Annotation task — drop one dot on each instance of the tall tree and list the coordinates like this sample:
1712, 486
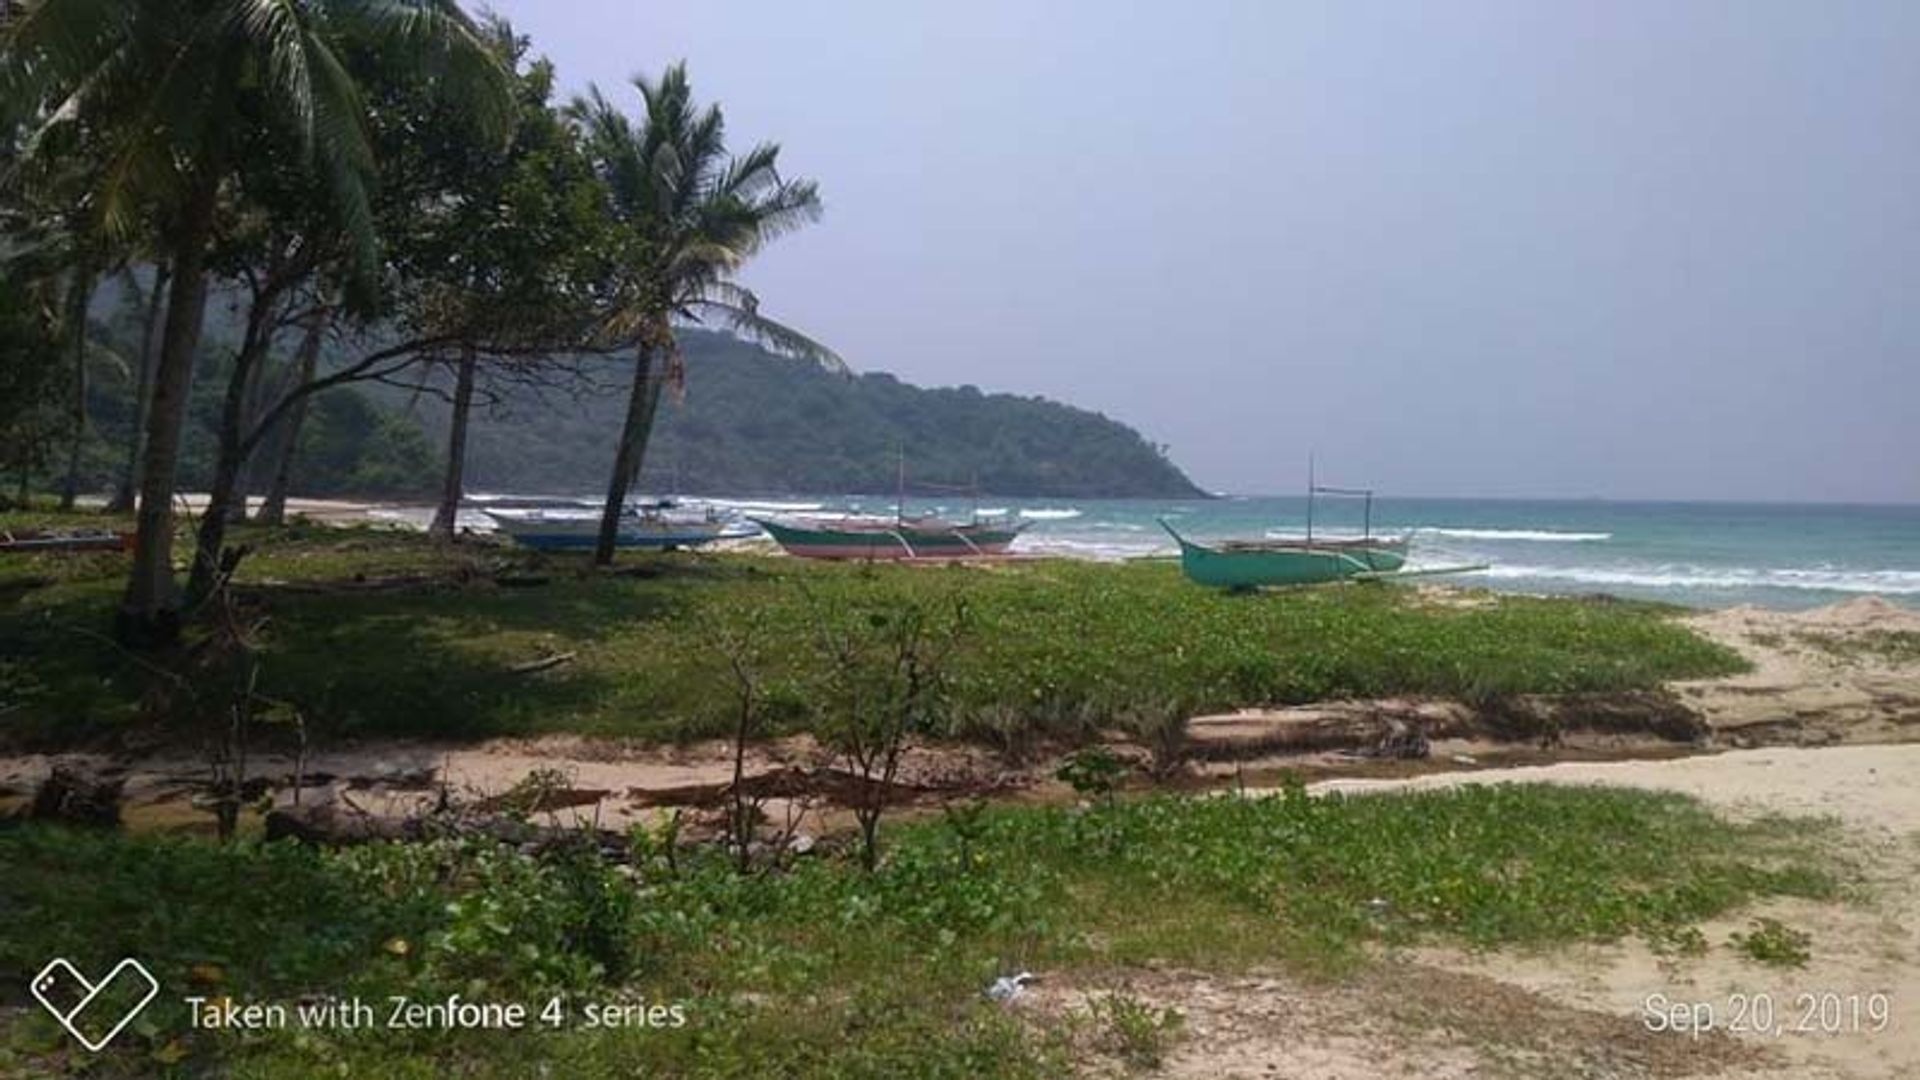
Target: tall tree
123, 492
73, 341
170, 89
507, 253
693, 215
285, 441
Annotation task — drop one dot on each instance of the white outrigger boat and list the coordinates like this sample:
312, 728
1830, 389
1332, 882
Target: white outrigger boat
659, 525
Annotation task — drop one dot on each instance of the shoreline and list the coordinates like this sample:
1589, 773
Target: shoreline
1076, 533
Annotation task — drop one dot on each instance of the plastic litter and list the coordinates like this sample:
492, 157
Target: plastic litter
1007, 987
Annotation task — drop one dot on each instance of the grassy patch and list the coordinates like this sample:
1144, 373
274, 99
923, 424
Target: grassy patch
1896, 647
1775, 944
1057, 649
826, 970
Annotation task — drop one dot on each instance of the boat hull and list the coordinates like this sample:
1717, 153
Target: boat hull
1256, 565
34, 540
543, 533
906, 541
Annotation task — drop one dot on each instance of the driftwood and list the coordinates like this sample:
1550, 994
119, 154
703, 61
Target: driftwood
340, 822
1404, 729
77, 798
787, 782
543, 663
330, 824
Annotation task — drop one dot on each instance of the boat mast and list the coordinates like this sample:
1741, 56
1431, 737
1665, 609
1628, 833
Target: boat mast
900, 488
1310, 499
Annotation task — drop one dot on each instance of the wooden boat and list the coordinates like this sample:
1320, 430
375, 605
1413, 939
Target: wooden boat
65, 540
651, 525
1248, 564
890, 538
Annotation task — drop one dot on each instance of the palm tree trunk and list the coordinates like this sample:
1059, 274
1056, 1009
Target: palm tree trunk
79, 294
231, 457
149, 611
447, 516
627, 459
286, 446
252, 405
122, 500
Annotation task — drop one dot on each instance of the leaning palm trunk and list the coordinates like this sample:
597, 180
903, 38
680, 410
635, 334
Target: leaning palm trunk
225, 496
122, 500
79, 294
149, 611
641, 405
286, 445
248, 479
446, 517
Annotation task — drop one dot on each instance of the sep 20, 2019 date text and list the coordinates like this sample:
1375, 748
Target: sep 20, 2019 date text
1806, 1013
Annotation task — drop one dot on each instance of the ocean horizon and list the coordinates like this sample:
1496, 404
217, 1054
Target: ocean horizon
1706, 554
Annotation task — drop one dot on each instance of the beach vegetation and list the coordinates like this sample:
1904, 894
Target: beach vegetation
1133, 1030
1055, 652
826, 968
1774, 943
1892, 647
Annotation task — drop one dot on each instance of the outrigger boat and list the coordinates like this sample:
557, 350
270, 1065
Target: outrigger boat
897, 538
1250, 564
65, 540
649, 525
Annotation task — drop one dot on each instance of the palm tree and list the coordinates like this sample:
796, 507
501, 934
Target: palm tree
694, 215
171, 91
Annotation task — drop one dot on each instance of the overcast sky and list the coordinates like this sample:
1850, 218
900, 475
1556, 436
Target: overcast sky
1638, 250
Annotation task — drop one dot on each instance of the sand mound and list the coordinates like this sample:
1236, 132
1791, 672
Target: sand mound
1816, 676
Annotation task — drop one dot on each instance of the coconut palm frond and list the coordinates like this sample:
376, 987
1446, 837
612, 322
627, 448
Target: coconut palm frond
450, 44
778, 336
751, 174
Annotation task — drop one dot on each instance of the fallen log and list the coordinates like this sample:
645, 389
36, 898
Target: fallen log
544, 663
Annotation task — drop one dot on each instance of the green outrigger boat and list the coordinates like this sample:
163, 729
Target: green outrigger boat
1251, 564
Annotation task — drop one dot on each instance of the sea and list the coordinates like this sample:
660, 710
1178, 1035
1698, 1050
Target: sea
1699, 554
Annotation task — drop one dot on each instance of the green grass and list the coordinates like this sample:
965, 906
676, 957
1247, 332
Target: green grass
825, 970
1895, 647
1772, 942
1056, 648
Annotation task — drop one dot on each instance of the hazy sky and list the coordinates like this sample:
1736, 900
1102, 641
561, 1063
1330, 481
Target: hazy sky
1658, 249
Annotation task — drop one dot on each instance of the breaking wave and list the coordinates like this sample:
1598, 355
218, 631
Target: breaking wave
1544, 536
1897, 582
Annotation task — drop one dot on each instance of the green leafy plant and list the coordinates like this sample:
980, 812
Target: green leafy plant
1135, 1031
1094, 772
1774, 943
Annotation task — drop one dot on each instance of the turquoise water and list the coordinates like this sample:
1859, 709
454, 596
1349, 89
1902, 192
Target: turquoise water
1699, 554
1786, 556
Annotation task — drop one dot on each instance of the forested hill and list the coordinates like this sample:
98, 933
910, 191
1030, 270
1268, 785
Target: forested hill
755, 423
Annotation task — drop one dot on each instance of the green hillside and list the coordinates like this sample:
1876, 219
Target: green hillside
751, 423
754, 423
